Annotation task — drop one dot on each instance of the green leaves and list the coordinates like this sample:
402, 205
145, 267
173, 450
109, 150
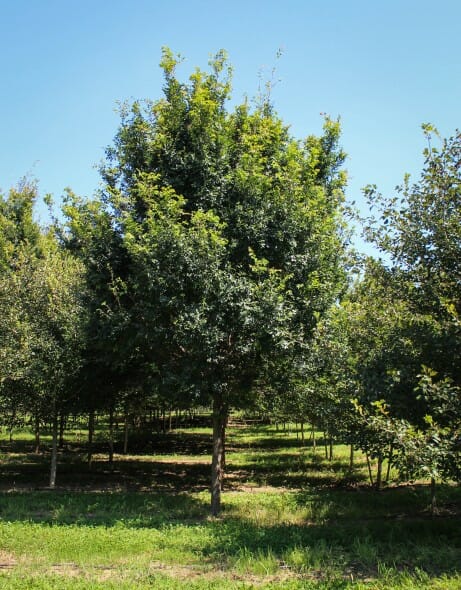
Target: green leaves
419, 231
230, 229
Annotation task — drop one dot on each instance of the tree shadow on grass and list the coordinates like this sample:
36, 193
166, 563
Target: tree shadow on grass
345, 532
170, 443
293, 471
140, 442
180, 473
363, 549
127, 474
359, 533
268, 444
136, 473
132, 509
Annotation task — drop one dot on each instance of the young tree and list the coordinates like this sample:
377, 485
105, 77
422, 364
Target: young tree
231, 235
41, 303
420, 232
20, 237
18, 229
44, 297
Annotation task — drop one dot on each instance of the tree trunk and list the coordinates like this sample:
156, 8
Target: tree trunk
157, 421
90, 437
37, 435
303, 439
111, 437
379, 473
54, 448
217, 465
351, 458
223, 437
125, 435
314, 441
369, 468
389, 463
13, 420
62, 426
433, 499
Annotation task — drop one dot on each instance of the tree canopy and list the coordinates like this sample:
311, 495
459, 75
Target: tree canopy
229, 233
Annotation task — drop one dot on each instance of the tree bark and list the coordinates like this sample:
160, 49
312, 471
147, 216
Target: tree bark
389, 463
379, 473
223, 436
351, 458
369, 468
217, 463
125, 436
62, 426
433, 497
90, 437
157, 421
111, 437
37, 435
54, 448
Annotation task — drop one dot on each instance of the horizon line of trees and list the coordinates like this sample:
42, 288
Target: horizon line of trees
214, 269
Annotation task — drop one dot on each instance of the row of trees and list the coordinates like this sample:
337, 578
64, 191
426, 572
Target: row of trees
212, 269
383, 371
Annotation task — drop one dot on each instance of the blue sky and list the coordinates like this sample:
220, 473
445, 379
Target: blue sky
383, 67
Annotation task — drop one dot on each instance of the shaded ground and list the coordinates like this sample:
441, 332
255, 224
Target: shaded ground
176, 462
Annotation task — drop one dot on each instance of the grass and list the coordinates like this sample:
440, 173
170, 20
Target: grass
291, 520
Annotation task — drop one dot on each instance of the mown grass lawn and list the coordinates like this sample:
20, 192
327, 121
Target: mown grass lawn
291, 520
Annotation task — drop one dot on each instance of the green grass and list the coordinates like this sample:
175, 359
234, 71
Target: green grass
291, 520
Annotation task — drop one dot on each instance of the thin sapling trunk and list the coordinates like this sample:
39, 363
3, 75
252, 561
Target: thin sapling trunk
369, 469
217, 462
37, 435
351, 458
389, 463
125, 434
111, 437
54, 447
379, 473
90, 437
433, 497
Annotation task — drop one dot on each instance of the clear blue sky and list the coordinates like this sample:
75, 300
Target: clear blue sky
383, 67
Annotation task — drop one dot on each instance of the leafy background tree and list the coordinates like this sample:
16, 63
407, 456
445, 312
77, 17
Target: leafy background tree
419, 231
41, 299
